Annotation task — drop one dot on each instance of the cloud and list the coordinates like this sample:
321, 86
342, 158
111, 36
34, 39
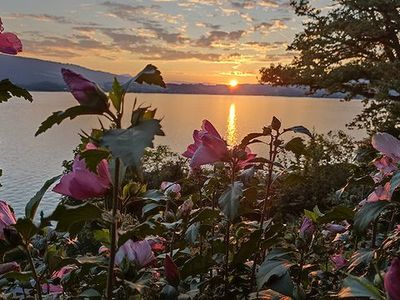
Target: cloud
218, 36
266, 27
49, 18
267, 45
208, 25
251, 4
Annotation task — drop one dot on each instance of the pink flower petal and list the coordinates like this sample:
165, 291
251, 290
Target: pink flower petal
207, 127
392, 280
10, 43
85, 91
387, 144
138, 252
339, 261
82, 184
380, 193
7, 217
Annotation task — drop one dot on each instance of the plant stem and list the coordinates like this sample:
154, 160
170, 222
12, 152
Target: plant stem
299, 277
227, 237
374, 231
114, 232
110, 275
35, 276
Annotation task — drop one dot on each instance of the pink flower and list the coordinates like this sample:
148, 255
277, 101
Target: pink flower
54, 289
380, 193
7, 217
386, 165
81, 183
387, 144
104, 251
9, 42
339, 261
62, 272
307, 229
186, 207
171, 188
392, 280
157, 244
171, 271
138, 252
208, 147
336, 228
85, 91
243, 163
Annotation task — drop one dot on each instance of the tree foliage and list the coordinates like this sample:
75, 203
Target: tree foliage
353, 49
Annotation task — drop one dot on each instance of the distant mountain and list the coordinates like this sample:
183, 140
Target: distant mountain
41, 75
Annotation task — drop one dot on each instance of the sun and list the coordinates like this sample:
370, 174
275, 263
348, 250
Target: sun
233, 83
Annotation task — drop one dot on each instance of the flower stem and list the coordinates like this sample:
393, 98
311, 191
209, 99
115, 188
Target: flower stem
35, 276
114, 229
273, 151
227, 237
110, 275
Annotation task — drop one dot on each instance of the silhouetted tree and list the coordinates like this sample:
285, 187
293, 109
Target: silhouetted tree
354, 48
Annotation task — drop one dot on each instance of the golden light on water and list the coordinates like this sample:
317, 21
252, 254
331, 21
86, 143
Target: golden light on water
231, 126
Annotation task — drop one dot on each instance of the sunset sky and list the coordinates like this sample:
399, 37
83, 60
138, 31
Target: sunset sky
207, 41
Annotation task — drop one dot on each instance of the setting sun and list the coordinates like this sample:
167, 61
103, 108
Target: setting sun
233, 83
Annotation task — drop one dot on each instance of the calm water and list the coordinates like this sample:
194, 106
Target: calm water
27, 162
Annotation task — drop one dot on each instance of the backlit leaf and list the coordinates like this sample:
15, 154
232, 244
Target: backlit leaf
59, 116
32, 205
229, 200
129, 144
9, 90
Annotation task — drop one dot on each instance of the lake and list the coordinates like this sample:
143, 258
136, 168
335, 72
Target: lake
27, 162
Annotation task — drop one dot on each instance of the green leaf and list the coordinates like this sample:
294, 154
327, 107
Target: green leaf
361, 257
169, 293
150, 75
129, 144
359, 287
394, 182
103, 236
67, 215
229, 200
26, 228
311, 215
150, 207
338, 213
59, 116
90, 293
9, 90
154, 195
299, 129
248, 138
197, 265
283, 285
271, 268
368, 213
93, 157
296, 145
275, 124
141, 231
32, 205
248, 248
117, 94
205, 214
20, 276
192, 233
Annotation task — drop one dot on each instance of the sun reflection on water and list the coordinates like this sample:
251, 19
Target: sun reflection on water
231, 133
